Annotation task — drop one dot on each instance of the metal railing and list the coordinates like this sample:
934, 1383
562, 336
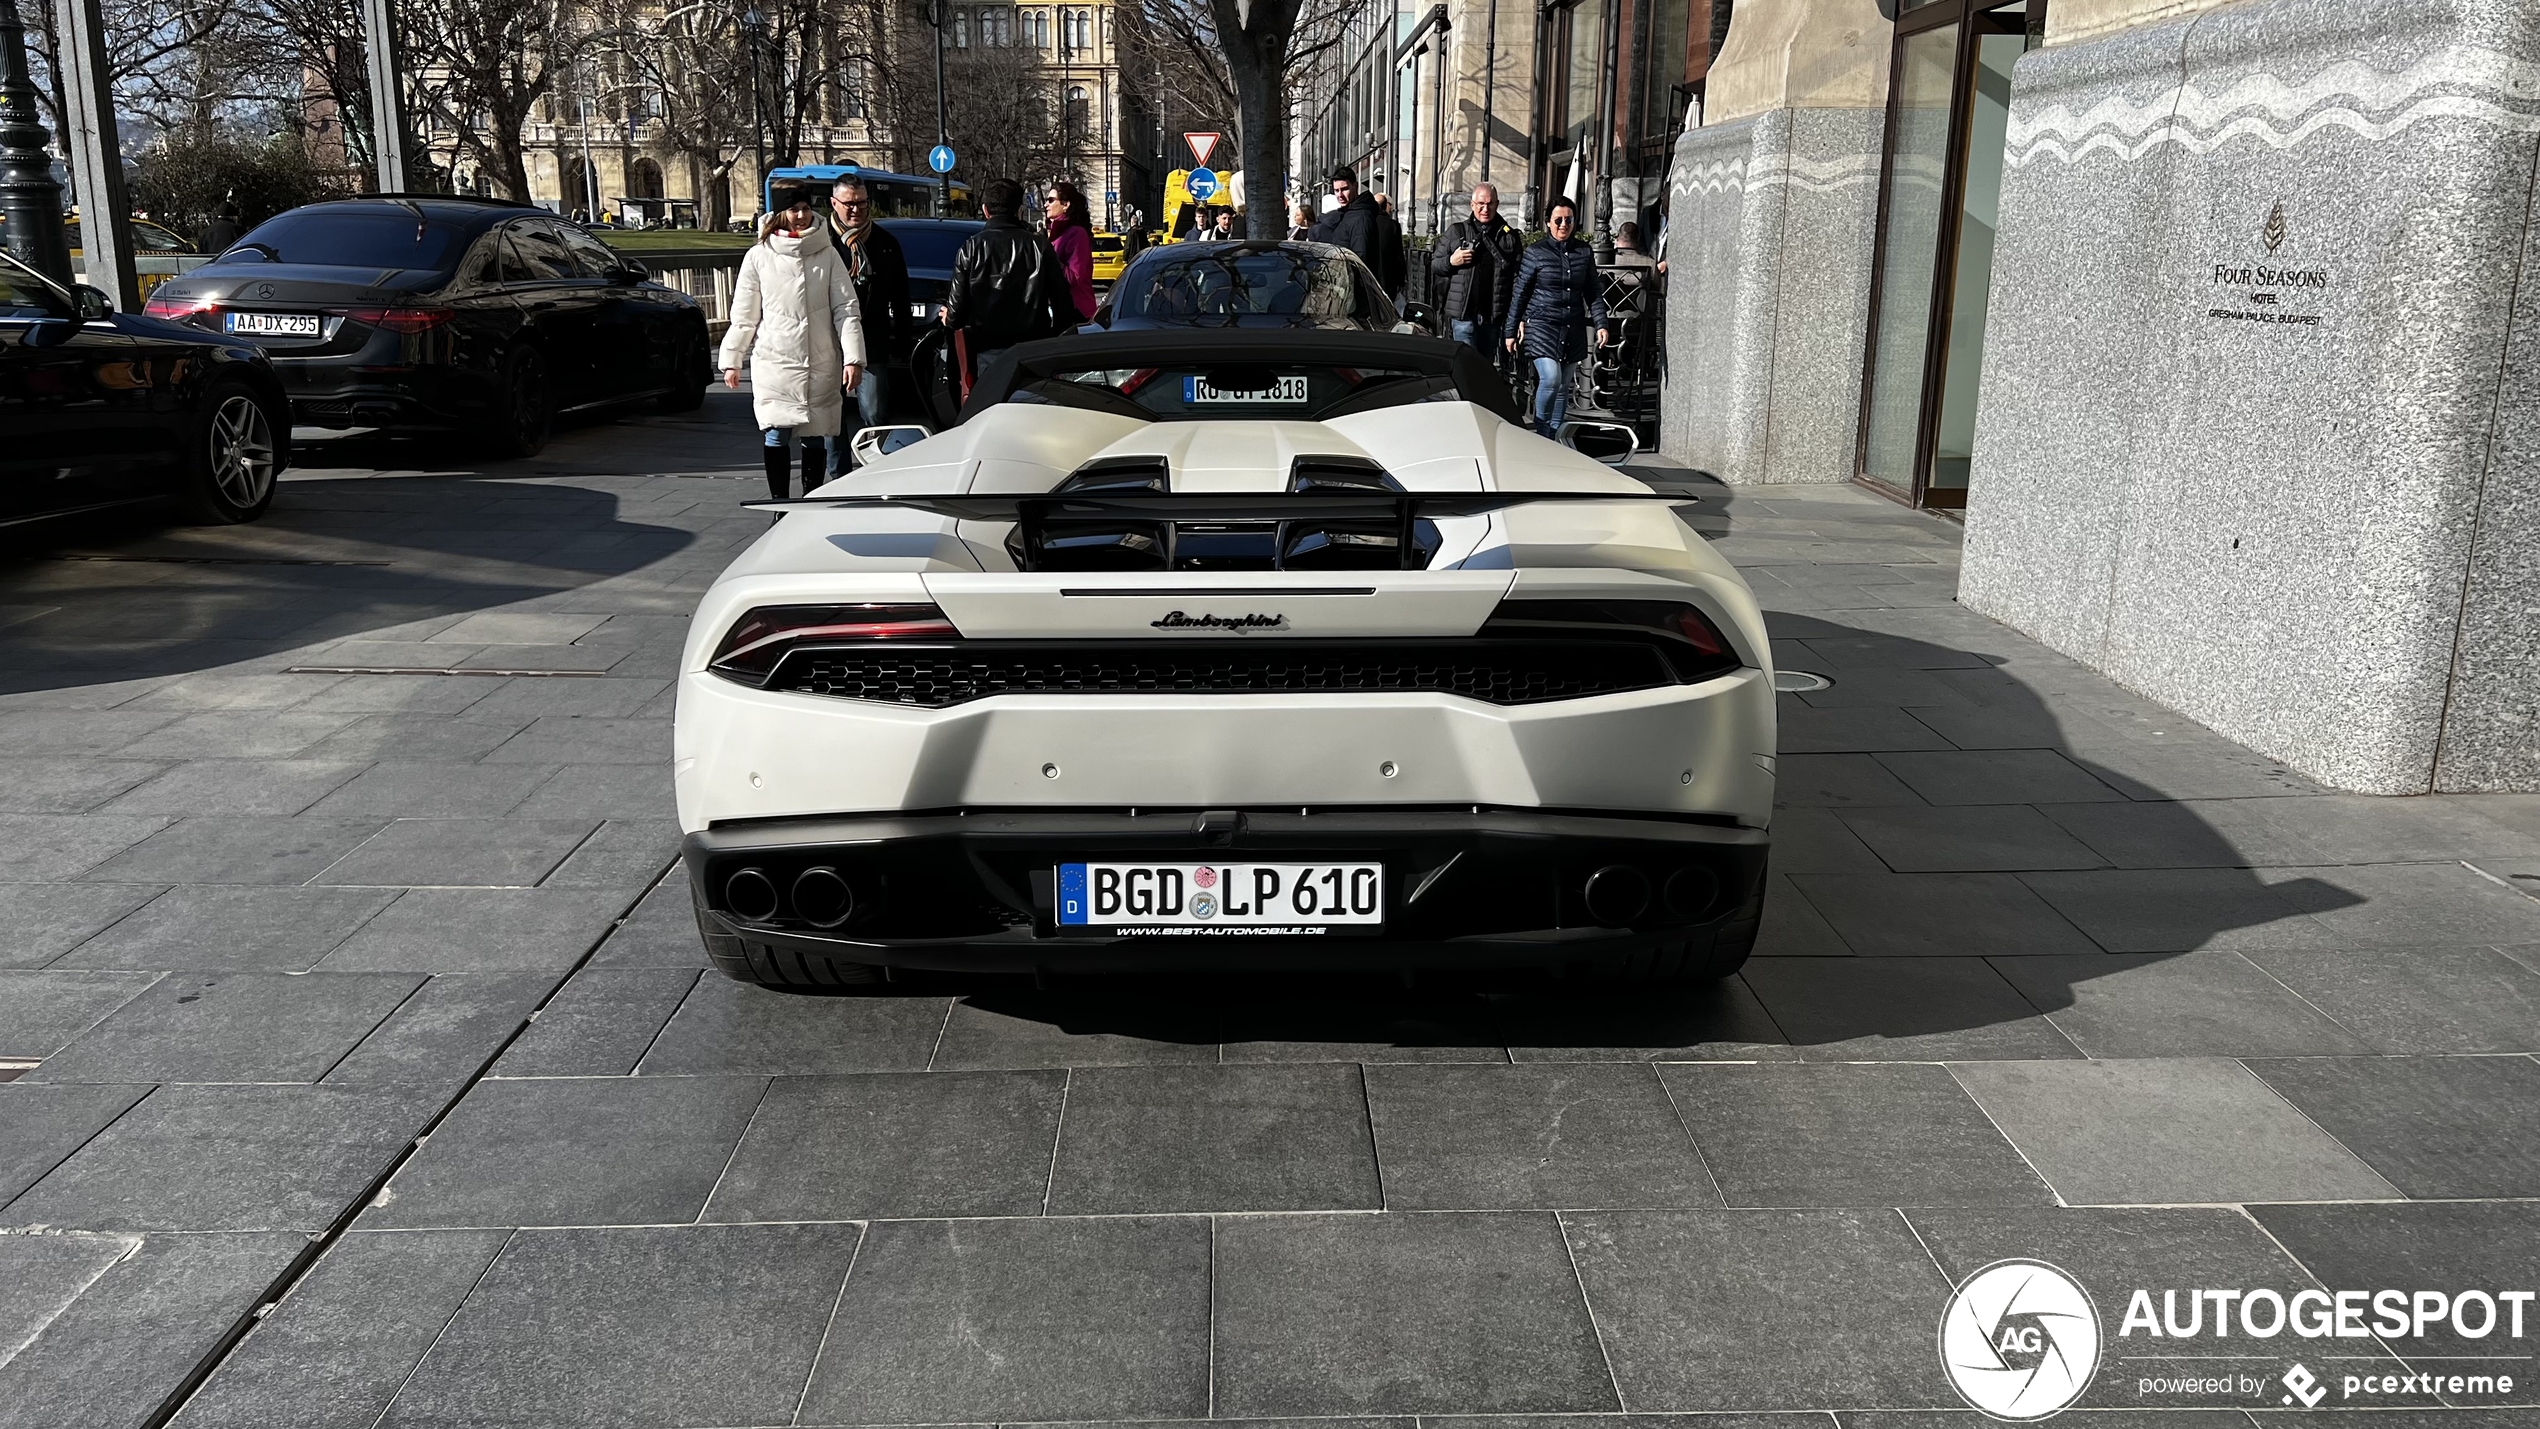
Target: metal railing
705, 274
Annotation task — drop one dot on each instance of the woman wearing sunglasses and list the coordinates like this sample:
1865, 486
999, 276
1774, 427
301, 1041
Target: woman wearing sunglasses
1557, 302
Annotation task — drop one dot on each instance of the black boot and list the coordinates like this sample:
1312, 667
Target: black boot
815, 464
778, 469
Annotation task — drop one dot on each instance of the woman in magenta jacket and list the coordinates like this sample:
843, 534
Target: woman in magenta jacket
1072, 234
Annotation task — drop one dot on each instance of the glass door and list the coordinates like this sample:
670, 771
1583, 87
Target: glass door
1948, 109
1920, 109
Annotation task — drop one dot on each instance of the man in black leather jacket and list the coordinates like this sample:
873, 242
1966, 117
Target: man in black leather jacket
1007, 286
1362, 226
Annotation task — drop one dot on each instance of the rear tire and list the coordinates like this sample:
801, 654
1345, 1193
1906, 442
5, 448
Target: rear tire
1704, 956
688, 377
232, 457
775, 968
785, 970
526, 412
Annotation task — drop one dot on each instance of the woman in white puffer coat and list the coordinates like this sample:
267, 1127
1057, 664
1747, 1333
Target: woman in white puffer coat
794, 318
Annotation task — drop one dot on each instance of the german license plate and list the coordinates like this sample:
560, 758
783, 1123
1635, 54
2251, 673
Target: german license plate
273, 324
1221, 898
1287, 392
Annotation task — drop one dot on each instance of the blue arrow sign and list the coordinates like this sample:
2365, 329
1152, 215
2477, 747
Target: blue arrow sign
1203, 184
940, 158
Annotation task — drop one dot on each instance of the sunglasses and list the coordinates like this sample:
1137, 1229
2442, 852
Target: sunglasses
1560, 218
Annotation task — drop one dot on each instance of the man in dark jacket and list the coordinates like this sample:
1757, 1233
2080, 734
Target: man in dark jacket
1362, 226
879, 271
1559, 297
1476, 264
1007, 285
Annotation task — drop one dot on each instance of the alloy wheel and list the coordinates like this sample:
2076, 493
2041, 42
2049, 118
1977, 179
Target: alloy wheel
242, 455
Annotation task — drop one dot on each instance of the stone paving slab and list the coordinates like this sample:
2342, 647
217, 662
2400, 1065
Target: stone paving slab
2047, 971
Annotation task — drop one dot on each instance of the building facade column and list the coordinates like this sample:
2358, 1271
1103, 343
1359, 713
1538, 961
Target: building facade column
1772, 211
2260, 426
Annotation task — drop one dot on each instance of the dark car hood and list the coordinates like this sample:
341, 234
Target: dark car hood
302, 283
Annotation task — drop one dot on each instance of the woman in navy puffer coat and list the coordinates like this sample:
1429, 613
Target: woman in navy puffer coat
1558, 299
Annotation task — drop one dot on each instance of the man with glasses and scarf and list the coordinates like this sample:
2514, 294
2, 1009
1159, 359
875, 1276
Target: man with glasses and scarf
880, 274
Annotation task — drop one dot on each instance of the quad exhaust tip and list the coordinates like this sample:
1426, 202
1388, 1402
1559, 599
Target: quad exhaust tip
751, 895
822, 897
1617, 894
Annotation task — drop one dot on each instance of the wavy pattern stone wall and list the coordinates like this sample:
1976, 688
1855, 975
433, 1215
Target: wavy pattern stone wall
2258, 425
1768, 270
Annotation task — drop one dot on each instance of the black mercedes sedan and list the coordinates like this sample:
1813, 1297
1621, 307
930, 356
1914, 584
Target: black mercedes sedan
103, 409
437, 313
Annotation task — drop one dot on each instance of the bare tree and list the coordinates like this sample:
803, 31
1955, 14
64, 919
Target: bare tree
1254, 56
480, 67
1000, 107
688, 68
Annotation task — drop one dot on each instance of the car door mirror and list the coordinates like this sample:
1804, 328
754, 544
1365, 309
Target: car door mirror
1421, 314
630, 273
1609, 442
871, 444
92, 303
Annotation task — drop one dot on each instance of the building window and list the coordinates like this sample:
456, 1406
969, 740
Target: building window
961, 29
852, 80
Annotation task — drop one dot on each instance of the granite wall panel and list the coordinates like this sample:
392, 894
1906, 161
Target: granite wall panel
1770, 228
2242, 402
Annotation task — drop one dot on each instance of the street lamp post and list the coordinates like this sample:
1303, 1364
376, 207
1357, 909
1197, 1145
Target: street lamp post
29, 196
943, 125
754, 33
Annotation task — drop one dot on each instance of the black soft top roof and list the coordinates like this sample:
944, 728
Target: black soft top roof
1476, 381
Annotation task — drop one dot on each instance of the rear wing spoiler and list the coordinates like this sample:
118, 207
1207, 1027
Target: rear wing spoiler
1321, 529
1321, 505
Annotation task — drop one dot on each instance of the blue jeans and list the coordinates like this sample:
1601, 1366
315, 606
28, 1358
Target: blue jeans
872, 408
1479, 334
1552, 394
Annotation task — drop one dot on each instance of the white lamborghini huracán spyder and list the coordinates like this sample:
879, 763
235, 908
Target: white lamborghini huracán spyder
1218, 649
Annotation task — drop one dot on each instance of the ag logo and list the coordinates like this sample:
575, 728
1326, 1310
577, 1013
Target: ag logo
2020, 1340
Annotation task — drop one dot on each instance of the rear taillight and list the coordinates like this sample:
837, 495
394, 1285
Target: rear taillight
198, 312
758, 640
400, 319
1693, 646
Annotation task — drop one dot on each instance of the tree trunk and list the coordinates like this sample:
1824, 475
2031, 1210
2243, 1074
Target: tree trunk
1257, 61
1261, 109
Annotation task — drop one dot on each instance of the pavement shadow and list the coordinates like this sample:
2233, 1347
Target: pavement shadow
128, 594
1953, 860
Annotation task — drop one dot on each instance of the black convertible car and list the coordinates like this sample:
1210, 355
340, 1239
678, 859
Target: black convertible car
100, 409
435, 313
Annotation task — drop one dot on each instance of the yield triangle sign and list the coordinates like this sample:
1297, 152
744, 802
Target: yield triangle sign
1202, 145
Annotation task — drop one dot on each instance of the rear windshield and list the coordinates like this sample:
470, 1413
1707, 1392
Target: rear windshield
1246, 391
330, 237
1236, 283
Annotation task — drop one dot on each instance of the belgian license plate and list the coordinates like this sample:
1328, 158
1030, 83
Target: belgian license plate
273, 324
1289, 392
1222, 899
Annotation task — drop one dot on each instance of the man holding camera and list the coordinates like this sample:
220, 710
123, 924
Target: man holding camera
1476, 260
